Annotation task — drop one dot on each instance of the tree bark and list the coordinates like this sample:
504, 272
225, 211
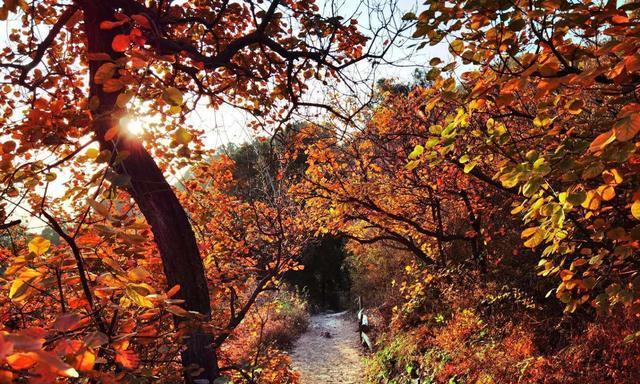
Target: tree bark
157, 202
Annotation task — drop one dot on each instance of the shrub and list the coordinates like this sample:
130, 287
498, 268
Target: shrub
288, 319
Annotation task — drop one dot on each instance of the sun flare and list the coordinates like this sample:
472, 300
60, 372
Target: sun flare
133, 126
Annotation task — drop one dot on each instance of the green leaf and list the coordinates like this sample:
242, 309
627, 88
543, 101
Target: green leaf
417, 151
432, 142
469, 167
531, 187
592, 170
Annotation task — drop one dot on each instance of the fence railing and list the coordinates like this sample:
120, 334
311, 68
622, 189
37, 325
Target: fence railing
363, 325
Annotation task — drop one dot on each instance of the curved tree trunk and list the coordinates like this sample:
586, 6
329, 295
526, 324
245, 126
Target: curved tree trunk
156, 200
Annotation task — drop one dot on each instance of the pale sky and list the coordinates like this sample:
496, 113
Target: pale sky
229, 125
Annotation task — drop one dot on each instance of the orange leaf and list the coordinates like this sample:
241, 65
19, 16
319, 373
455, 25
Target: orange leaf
111, 24
632, 63
85, 361
120, 43
21, 360
619, 19
128, 359
627, 127
111, 133
98, 56
172, 292
24, 342
67, 321
178, 311
142, 21
566, 275
6, 347
54, 364
104, 73
112, 85
602, 141
6, 377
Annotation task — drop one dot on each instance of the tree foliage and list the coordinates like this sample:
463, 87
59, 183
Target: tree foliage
504, 183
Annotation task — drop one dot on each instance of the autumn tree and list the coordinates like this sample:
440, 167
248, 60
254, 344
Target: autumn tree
82, 71
554, 90
362, 187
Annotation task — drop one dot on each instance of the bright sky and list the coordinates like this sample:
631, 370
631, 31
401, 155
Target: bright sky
229, 125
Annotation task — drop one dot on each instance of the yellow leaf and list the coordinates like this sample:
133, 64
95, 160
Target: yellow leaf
182, 136
138, 274
457, 46
612, 177
137, 297
592, 201
541, 121
635, 209
172, 96
469, 166
19, 289
412, 165
536, 238
92, 153
39, 245
575, 106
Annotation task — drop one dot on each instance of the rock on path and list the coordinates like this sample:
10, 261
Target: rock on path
326, 360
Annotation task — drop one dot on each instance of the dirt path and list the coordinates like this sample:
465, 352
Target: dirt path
337, 359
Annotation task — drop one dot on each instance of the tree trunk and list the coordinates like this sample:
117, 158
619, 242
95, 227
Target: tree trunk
157, 202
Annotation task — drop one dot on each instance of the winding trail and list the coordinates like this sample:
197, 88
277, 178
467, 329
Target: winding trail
326, 360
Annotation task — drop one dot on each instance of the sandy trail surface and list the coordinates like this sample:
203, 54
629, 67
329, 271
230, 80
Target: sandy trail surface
334, 359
